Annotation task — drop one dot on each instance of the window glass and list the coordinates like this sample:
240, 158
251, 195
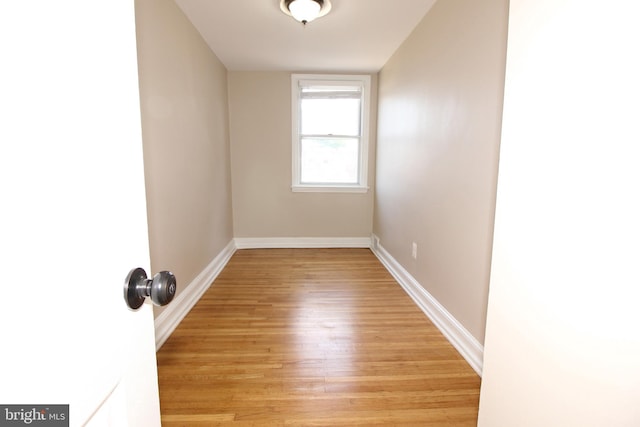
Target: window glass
330, 138
329, 161
330, 116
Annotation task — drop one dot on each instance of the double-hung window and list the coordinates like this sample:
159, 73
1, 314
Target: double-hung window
330, 132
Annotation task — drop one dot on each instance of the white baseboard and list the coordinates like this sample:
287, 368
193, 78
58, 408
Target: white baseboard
169, 319
458, 336
302, 242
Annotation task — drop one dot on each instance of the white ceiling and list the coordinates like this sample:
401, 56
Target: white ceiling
254, 35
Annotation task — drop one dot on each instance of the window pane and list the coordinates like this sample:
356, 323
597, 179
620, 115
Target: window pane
330, 116
329, 160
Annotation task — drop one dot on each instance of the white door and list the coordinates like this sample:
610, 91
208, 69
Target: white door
73, 213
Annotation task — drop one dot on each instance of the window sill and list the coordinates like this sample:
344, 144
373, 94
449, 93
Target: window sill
329, 189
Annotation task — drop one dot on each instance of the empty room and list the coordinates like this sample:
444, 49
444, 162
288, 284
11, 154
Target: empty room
332, 213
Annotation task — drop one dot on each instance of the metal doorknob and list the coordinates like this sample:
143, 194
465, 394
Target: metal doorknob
161, 289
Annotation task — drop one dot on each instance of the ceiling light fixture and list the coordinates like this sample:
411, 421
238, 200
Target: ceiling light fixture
305, 10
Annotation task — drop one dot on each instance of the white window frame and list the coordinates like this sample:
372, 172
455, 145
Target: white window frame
363, 164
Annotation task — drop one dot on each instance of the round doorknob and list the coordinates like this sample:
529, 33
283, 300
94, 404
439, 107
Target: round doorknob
161, 289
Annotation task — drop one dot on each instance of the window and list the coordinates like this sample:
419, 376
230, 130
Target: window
330, 132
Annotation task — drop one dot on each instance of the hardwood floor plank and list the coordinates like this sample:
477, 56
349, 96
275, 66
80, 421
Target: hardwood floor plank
311, 337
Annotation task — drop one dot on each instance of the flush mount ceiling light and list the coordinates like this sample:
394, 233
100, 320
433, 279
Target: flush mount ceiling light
305, 10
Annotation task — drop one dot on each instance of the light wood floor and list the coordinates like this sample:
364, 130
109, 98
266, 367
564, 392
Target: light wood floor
311, 337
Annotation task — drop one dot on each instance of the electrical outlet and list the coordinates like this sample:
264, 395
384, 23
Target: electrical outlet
414, 250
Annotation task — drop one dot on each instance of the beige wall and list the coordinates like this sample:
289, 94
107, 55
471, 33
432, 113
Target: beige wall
440, 102
183, 89
263, 204
563, 340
